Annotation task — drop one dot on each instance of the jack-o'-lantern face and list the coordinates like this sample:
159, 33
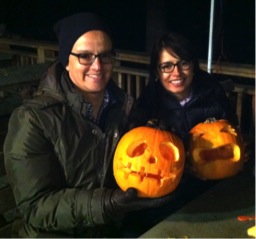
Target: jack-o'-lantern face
216, 150
150, 160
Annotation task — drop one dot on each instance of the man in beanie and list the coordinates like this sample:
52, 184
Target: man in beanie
60, 144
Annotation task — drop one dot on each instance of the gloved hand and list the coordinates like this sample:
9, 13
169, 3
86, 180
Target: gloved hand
118, 202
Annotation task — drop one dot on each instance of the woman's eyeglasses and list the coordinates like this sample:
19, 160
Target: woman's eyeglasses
88, 58
168, 67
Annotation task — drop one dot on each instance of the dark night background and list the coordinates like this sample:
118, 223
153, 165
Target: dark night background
234, 39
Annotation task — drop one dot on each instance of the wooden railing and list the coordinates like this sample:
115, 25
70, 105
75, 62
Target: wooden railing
133, 81
132, 78
33, 52
28, 52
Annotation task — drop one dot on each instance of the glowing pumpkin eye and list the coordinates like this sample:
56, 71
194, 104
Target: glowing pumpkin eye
168, 151
136, 149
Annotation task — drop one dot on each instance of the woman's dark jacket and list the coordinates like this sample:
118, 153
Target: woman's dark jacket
208, 100
58, 161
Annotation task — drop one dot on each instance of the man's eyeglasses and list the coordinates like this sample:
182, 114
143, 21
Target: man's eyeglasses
168, 67
88, 58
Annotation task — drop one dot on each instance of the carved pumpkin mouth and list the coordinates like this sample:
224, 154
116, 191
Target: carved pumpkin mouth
225, 152
141, 174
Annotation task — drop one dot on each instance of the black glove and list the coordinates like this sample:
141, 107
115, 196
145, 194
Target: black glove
118, 202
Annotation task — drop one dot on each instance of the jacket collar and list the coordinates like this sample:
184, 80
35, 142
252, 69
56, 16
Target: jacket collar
57, 83
78, 102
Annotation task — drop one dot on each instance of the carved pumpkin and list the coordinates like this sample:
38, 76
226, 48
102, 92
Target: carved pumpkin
150, 160
216, 149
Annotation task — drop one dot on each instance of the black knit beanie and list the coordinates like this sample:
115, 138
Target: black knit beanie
69, 29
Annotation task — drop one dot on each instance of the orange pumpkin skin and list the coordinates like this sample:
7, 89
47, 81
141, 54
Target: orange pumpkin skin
150, 160
216, 150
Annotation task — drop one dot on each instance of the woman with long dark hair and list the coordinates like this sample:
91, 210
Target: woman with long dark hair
179, 93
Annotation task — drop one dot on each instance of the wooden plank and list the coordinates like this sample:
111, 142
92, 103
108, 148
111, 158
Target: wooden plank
132, 71
16, 75
239, 107
129, 84
231, 69
5, 56
245, 89
16, 82
138, 88
29, 43
33, 55
136, 57
40, 55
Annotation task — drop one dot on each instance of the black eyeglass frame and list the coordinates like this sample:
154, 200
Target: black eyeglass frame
94, 56
179, 64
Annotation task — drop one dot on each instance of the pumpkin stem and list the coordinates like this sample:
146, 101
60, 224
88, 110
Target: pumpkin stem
211, 119
152, 123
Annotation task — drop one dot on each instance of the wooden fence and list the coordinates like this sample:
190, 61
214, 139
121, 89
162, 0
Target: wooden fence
32, 52
130, 78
